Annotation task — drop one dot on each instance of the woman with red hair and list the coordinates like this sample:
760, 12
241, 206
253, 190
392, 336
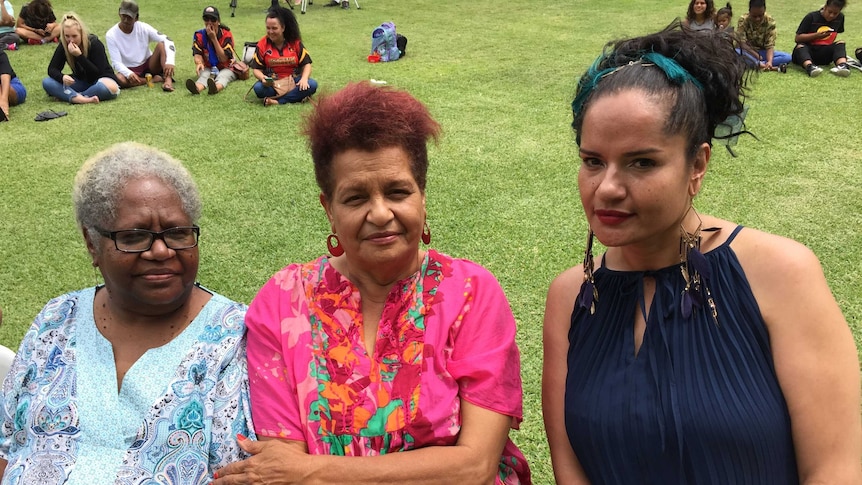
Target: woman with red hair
397, 356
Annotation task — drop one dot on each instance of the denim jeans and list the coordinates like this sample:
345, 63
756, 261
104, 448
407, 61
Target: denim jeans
66, 93
778, 58
293, 96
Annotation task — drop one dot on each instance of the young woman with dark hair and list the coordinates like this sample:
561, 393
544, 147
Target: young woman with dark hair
694, 350
281, 55
700, 15
757, 35
816, 40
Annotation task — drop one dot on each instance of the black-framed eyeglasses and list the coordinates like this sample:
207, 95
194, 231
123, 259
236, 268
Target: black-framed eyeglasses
141, 240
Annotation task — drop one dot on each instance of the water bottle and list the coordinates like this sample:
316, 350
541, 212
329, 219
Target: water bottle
213, 71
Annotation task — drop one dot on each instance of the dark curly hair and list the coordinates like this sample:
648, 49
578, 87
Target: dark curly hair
718, 75
708, 13
41, 9
365, 117
288, 21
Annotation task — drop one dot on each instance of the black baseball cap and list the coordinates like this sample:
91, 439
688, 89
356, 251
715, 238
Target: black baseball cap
211, 12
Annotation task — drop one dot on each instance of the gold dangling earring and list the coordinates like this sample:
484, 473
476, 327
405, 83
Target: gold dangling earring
589, 294
695, 269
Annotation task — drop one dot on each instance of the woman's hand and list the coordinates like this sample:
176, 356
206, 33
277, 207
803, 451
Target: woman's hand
68, 80
212, 33
303, 84
273, 461
74, 49
199, 68
476, 454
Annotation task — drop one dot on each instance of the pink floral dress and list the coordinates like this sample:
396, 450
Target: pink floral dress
446, 334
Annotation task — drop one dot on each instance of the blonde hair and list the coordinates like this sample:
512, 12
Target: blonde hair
71, 20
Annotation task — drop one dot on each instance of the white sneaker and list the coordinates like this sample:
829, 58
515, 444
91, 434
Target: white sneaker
814, 70
840, 71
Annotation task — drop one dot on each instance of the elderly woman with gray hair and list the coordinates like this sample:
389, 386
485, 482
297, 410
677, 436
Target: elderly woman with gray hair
141, 379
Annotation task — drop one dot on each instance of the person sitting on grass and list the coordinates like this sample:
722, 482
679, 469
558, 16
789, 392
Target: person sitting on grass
815, 40
12, 92
700, 15
37, 23
129, 45
92, 79
723, 18
212, 47
8, 38
281, 55
756, 32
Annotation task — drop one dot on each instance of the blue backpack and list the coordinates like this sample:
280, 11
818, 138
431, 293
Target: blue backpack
384, 41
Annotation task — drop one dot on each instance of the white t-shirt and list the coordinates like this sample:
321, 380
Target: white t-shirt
131, 50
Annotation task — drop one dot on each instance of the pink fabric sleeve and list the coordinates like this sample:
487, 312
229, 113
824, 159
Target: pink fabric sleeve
274, 399
485, 359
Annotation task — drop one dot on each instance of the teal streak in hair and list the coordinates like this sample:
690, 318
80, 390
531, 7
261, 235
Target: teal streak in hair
588, 83
674, 72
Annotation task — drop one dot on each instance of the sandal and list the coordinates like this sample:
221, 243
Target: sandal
3, 116
192, 87
211, 86
168, 88
49, 115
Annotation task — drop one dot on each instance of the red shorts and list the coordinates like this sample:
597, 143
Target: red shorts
143, 69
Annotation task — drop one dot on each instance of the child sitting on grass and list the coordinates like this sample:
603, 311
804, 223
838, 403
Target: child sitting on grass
723, 18
815, 40
756, 32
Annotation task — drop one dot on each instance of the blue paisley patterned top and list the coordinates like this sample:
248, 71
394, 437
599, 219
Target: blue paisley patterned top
174, 420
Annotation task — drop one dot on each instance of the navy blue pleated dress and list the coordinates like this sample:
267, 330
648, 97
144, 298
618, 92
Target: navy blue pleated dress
699, 403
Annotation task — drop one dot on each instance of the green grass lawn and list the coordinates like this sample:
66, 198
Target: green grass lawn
502, 190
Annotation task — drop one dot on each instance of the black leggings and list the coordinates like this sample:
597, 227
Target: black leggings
819, 54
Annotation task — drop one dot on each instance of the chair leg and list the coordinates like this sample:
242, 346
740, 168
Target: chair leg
357, 4
304, 6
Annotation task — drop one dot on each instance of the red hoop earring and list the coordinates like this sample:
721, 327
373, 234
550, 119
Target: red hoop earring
426, 234
334, 245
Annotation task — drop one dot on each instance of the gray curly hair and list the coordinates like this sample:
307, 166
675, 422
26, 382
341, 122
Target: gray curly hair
100, 182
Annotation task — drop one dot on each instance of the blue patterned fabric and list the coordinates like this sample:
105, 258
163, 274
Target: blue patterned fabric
700, 402
174, 421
